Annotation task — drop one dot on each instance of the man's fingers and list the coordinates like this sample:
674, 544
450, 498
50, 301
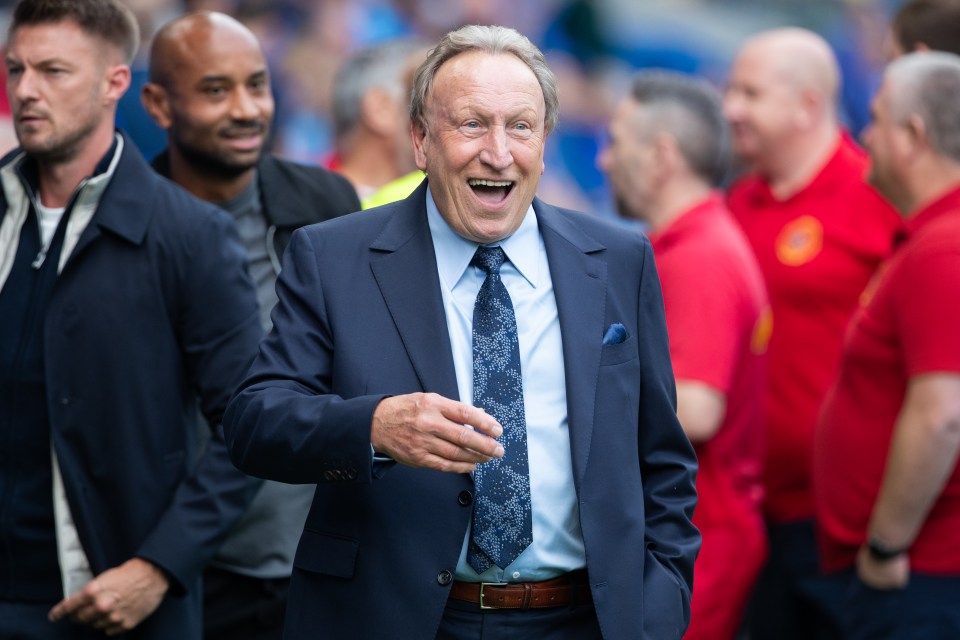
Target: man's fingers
109, 622
429, 430
447, 465
87, 614
472, 441
474, 417
57, 612
69, 606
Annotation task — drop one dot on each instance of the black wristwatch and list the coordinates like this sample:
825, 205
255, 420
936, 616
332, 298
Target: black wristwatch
882, 552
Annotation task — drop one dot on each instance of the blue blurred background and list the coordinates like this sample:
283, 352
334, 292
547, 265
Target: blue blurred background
593, 46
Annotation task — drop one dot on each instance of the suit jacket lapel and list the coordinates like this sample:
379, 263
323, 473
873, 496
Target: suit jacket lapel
405, 267
578, 268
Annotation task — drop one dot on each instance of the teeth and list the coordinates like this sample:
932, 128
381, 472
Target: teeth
476, 182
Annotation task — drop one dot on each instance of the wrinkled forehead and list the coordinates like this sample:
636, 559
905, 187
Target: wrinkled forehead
500, 80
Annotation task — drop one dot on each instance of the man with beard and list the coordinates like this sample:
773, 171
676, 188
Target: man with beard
210, 90
125, 302
886, 479
668, 151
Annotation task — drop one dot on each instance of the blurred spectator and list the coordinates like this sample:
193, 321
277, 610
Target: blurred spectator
818, 232
922, 25
125, 308
371, 117
210, 91
886, 476
668, 150
594, 44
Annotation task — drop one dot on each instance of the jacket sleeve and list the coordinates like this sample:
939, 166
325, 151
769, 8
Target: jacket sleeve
218, 330
668, 468
285, 422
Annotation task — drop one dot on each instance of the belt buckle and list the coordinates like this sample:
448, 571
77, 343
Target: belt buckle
484, 585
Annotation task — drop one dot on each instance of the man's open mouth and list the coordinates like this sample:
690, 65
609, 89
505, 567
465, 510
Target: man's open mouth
491, 191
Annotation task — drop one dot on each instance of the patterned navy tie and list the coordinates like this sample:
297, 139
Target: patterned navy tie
502, 522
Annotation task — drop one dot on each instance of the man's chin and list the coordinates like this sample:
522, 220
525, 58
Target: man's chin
48, 153
226, 166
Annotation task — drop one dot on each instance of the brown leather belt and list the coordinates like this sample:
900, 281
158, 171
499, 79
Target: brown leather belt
571, 588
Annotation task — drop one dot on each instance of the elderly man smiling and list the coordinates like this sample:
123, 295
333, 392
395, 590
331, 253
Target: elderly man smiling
480, 386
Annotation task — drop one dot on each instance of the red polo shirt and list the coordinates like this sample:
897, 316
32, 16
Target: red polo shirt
817, 251
908, 326
718, 320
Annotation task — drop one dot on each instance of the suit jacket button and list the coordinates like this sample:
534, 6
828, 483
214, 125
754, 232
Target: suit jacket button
329, 475
445, 577
465, 498
351, 474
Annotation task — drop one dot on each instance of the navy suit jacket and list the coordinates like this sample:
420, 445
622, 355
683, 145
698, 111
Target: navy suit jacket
153, 309
361, 317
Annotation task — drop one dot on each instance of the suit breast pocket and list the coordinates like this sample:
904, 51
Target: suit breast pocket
326, 554
618, 353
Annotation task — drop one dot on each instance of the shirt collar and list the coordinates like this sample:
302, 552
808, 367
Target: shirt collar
688, 220
454, 252
947, 203
836, 169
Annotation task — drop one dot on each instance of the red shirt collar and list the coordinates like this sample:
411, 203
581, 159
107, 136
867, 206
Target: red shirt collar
945, 204
836, 169
686, 220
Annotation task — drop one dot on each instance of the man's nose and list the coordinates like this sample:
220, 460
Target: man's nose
244, 106
496, 149
603, 159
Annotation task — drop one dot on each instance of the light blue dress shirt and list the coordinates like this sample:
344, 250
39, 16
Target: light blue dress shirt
557, 539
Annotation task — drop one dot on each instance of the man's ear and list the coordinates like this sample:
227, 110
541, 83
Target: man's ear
418, 132
808, 108
157, 104
667, 155
916, 135
118, 81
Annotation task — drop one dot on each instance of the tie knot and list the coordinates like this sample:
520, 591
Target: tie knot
490, 259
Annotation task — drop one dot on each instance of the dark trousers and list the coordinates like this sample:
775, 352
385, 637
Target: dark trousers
23, 621
927, 609
465, 621
237, 607
792, 599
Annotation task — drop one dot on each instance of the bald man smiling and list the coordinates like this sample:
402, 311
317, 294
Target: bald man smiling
210, 90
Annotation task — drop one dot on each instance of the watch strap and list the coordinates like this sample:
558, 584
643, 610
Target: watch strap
878, 550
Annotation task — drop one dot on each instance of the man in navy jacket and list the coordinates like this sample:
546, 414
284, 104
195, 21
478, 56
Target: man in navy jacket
364, 388
210, 90
124, 300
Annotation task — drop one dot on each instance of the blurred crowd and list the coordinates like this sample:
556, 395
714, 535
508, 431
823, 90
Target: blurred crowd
592, 46
795, 167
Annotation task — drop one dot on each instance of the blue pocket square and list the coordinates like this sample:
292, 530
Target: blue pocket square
615, 334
